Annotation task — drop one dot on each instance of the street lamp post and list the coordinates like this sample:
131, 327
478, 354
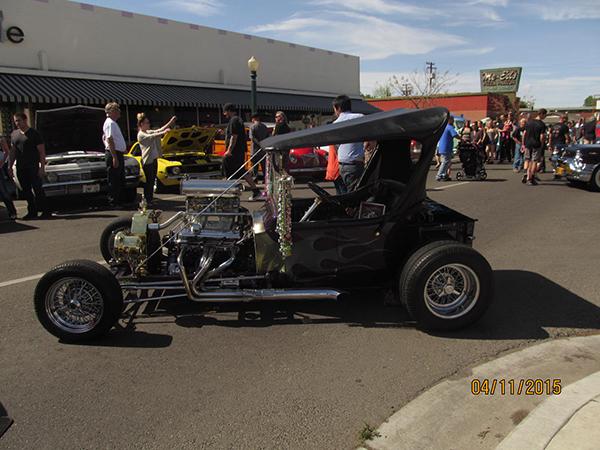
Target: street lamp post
253, 66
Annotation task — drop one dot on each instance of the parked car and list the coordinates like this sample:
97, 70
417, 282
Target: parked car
186, 152
581, 163
75, 157
307, 162
386, 234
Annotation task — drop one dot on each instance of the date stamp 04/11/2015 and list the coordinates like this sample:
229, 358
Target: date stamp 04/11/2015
522, 386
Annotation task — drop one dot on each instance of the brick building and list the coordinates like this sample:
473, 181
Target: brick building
473, 106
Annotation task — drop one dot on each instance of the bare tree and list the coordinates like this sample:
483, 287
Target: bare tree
420, 86
527, 101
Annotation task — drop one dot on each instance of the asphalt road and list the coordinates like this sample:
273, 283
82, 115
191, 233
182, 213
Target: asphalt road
187, 379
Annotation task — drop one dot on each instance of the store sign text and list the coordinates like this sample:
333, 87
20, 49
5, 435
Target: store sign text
500, 80
13, 34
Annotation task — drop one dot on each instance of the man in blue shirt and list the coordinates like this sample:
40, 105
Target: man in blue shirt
445, 150
351, 156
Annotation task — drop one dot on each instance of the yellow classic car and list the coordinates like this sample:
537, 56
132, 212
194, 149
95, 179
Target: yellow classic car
185, 151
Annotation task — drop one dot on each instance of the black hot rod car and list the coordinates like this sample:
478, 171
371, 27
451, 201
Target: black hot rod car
384, 234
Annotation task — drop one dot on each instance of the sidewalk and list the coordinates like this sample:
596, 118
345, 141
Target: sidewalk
543, 397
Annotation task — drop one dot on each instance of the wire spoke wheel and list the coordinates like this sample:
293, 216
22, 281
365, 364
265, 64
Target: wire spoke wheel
74, 305
451, 291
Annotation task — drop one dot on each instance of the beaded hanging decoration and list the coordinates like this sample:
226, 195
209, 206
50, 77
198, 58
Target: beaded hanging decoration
284, 214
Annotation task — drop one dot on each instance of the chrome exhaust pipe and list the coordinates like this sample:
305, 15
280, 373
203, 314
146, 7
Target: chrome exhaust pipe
252, 295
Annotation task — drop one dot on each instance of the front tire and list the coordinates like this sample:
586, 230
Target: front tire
107, 239
78, 301
595, 180
446, 285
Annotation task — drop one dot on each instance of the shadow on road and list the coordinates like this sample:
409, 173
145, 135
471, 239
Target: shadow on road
11, 226
525, 305
129, 338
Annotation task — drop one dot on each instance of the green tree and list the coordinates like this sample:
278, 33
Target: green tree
589, 101
383, 90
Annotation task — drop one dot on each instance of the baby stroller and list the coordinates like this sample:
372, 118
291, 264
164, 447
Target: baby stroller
473, 162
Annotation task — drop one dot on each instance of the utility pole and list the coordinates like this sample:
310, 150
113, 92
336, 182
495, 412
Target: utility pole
431, 69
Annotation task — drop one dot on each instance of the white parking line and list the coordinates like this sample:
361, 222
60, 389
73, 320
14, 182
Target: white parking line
448, 186
31, 278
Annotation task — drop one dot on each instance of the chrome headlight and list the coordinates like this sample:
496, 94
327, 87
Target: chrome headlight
578, 162
52, 177
133, 170
176, 170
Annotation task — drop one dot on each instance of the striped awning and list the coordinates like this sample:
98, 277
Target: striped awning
65, 91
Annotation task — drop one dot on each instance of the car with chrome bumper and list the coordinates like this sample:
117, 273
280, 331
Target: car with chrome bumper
75, 157
84, 172
386, 235
581, 163
307, 162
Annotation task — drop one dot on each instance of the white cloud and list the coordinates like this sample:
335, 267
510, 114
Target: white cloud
556, 11
371, 38
379, 7
196, 7
472, 51
479, 16
559, 92
467, 82
502, 3
291, 24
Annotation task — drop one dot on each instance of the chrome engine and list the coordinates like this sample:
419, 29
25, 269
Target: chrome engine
203, 241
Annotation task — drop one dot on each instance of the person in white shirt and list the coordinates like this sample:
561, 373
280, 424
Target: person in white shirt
150, 146
114, 144
351, 156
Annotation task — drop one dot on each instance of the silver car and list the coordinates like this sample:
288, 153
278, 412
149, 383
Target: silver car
75, 159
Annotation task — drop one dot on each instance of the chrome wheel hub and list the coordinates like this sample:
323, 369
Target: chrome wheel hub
451, 291
74, 305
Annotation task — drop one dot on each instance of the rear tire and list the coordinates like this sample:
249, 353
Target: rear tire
78, 301
446, 285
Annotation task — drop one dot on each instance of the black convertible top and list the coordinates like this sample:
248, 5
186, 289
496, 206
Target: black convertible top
418, 124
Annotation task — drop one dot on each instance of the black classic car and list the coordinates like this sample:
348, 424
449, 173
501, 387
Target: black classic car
384, 235
75, 162
581, 163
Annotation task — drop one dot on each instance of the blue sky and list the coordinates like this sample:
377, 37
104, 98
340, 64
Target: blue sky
557, 42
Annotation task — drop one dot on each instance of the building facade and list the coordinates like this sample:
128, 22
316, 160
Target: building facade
473, 106
57, 53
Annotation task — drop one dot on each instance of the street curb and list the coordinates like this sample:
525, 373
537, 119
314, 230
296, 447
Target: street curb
546, 421
433, 420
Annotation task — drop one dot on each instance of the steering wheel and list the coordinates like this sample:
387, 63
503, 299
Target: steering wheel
322, 193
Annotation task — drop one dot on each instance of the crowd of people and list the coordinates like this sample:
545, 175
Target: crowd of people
522, 142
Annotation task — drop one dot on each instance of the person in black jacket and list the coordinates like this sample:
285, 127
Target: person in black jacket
589, 131
28, 150
534, 139
5, 194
